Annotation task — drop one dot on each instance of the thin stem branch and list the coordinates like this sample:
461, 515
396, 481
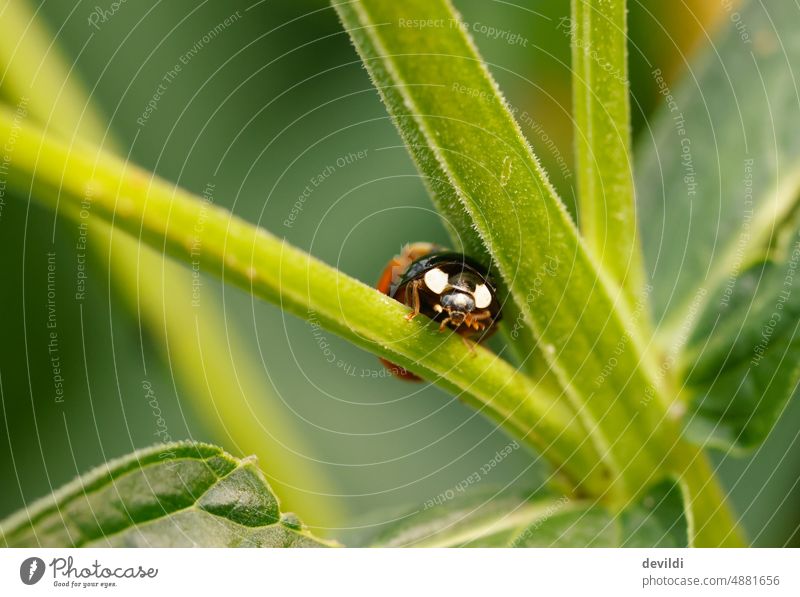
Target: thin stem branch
601, 107
191, 229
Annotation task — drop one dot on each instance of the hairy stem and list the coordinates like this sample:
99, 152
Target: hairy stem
494, 192
601, 106
193, 230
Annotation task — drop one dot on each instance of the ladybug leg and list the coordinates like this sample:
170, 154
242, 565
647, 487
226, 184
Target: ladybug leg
469, 344
477, 321
414, 287
443, 324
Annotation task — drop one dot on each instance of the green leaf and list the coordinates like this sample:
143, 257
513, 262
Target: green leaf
472, 519
718, 180
490, 187
483, 519
601, 108
591, 526
743, 364
719, 187
171, 495
660, 519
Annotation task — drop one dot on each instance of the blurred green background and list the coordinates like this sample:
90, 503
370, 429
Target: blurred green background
274, 102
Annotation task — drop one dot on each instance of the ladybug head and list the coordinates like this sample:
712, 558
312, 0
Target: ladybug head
457, 304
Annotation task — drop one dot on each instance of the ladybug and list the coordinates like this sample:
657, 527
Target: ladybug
446, 286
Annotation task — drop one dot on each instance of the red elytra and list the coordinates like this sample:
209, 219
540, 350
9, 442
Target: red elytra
393, 271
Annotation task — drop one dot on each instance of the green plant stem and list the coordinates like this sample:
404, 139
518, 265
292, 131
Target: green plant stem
34, 69
214, 371
492, 189
606, 200
168, 217
192, 230
458, 128
601, 108
711, 521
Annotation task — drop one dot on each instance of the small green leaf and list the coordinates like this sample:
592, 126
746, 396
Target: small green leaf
718, 179
591, 526
171, 495
743, 362
660, 519
471, 519
484, 519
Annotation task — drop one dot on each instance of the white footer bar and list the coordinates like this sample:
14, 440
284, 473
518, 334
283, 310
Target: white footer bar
401, 572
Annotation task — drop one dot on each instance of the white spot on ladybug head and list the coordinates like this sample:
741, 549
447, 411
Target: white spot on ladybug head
458, 302
483, 296
436, 280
